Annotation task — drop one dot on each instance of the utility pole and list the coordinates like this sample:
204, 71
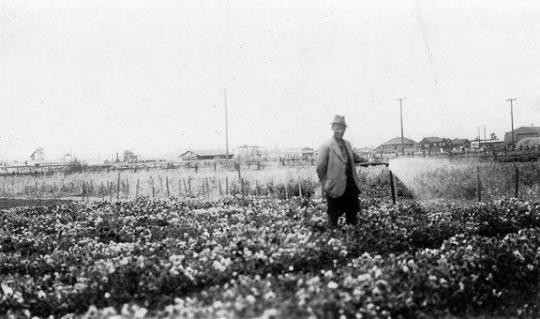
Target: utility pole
485, 137
226, 126
511, 100
479, 138
401, 120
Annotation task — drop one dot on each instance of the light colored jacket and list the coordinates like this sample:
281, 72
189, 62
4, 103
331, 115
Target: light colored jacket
331, 168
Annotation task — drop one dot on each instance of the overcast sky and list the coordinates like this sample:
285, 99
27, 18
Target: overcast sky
99, 77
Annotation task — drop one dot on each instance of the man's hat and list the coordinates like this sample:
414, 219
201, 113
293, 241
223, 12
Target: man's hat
339, 120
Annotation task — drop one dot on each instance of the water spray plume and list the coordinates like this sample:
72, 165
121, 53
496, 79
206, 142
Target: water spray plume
431, 178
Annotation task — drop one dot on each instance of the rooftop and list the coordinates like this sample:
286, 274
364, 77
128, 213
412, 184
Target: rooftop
397, 141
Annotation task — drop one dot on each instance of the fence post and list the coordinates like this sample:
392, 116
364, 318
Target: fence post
516, 189
167, 184
226, 185
179, 188
153, 187
118, 187
299, 188
189, 184
109, 186
127, 188
286, 190
239, 172
393, 188
137, 189
478, 184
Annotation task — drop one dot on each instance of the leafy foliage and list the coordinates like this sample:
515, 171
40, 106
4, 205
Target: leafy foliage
236, 257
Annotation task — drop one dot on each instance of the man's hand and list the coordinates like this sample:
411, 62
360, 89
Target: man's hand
359, 159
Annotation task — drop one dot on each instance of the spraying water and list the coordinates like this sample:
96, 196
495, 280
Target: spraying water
431, 178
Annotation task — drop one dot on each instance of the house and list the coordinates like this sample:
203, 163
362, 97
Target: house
290, 153
308, 153
521, 133
460, 144
364, 151
394, 145
488, 145
435, 144
192, 155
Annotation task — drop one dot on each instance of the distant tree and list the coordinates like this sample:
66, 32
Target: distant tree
129, 156
493, 136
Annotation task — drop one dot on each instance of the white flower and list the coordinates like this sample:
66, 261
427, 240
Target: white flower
124, 261
218, 266
269, 295
6, 289
332, 285
364, 277
41, 294
18, 297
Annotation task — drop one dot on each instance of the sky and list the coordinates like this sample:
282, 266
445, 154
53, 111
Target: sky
93, 78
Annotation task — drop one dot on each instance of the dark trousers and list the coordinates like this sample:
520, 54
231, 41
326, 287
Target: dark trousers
347, 203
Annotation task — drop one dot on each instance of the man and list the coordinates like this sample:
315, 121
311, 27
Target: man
337, 174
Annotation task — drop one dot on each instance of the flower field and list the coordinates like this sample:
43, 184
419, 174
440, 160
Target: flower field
269, 258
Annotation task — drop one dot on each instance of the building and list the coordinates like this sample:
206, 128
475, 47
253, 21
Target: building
435, 144
394, 145
460, 144
521, 133
193, 155
364, 151
290, 153
68, 158
488, 145
308, 153
251, 151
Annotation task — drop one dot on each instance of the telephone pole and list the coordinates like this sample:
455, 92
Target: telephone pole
401, 120
485, 137
226, 126
511, 100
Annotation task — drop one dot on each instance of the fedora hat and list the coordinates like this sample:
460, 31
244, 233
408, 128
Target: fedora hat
339, 120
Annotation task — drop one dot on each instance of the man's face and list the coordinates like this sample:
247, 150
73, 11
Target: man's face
339, 130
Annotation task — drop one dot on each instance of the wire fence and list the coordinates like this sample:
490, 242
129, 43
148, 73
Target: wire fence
481, 181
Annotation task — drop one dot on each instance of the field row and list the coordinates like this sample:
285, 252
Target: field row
247, 257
